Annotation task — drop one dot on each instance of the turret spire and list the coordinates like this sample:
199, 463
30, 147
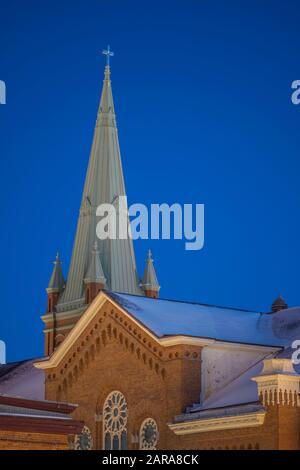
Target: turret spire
279, 304
150, 283
95, 272
56, 285
94, 278
57, 282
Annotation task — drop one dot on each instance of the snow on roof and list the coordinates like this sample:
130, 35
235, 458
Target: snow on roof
29, 412
169, 317
6, 368
22, 379
219, 412
240, 391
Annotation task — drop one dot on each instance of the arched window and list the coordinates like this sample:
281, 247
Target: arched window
84, 440
115, 422
149, 434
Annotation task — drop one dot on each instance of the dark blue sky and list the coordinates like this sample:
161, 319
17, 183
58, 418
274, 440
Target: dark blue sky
202, 93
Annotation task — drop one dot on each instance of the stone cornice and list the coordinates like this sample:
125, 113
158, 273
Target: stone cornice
63, 316
20, 424
58, 407
184, 340
58, 329
218, 424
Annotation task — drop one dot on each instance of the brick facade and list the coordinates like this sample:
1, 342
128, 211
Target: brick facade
114, 353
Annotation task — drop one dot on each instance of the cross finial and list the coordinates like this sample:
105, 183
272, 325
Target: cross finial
108, 54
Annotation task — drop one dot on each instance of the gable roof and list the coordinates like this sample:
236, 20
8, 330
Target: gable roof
7, 368
22, 379
173, 318
172, 322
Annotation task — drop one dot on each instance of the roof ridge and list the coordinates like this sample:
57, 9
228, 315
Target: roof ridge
188, 302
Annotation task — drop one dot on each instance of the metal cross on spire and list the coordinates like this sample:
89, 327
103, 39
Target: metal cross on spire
108, 54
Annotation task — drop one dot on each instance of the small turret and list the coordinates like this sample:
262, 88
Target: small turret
279, 304
150, 284
56, 284
94, 279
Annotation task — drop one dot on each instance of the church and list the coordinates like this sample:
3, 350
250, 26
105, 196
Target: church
125, 368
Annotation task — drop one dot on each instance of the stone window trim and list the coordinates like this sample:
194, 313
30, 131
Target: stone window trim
115, 416
84, 440
149, 435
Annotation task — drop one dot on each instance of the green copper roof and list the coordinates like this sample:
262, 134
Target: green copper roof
104, 184
95, 272
150, 281
57, 282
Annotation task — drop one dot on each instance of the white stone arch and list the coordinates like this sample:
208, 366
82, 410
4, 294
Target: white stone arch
149, 435
84, 440
115, 415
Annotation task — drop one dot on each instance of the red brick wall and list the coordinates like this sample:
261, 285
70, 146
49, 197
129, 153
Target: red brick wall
159, 382
115, 354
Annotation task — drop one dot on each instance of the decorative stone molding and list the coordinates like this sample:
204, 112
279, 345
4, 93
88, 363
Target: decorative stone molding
149, 435
278, 383
115, 416
84, 440
248, 420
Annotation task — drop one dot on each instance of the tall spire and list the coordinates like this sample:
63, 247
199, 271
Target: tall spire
150, 283
104, 184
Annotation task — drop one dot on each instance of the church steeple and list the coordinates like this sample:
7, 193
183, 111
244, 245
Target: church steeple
150, 284
104, 184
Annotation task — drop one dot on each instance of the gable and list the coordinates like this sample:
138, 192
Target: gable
101, 322
109, 350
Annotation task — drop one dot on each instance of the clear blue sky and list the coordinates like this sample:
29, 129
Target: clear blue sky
202, 93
